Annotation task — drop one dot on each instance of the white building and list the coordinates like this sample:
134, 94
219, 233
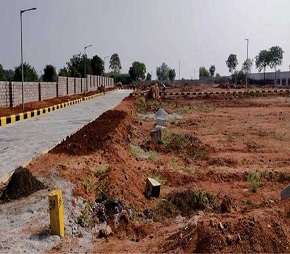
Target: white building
282, 78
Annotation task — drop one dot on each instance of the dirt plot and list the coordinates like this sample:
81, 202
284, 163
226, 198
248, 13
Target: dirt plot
29, 106
222, 165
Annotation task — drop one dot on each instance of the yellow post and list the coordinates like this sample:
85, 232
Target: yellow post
56, 211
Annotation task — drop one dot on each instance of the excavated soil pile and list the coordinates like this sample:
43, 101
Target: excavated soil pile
95, 135
239, 234
267, 233
21, 184
109, 136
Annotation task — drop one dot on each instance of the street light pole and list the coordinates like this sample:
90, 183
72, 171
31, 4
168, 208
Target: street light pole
85, 67
21, 49
247, 62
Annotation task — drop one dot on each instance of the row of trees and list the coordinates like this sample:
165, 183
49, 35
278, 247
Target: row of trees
164, 73
272, 58
16, 74
75, 67
206, 73
137, 72
79, 65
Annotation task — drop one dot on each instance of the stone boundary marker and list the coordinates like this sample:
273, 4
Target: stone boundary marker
251, 93
5, 120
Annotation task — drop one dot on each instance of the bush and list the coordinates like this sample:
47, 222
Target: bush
102, 169
189, 201
140, 154
254, 180
184, 143
185, 203
86, 219
141, 105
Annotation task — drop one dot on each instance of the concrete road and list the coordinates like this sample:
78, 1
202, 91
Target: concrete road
21, 142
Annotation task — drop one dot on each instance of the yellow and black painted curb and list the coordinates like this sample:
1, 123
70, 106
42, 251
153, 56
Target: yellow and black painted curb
5, 120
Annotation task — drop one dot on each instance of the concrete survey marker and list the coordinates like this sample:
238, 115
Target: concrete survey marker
156, 135
152, 188
161, 117
25, 140
285, 194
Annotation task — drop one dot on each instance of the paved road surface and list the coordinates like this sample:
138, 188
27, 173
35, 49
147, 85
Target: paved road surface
22, 141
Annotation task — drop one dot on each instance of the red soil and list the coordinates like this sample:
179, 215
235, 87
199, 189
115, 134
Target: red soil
243, 138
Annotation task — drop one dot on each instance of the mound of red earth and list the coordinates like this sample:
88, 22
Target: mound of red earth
250, 233
21, 184
258, 233
109, 136
96, 135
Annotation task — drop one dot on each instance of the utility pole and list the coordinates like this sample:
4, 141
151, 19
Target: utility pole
247, 62
85, 65
21, 42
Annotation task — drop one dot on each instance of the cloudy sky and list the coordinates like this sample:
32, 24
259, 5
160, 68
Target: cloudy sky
194, 32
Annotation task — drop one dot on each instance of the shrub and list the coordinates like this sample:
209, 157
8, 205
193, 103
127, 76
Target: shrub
86, 219
140, 154
185, 203
164, 209
141, 105
102, 169
89, 184
189, 200
184, 143
254, 180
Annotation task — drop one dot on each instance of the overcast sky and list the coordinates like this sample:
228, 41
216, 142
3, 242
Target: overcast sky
194, 32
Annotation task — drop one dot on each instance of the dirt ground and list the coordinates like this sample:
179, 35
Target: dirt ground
221, 163
29, 106
214, 87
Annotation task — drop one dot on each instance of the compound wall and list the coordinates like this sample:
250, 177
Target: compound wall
11, 92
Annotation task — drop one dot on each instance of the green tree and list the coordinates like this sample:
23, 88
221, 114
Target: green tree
2, 74
232, 63
9, 75
171, 75
162, 72
137, 71
203, 73
262, 61
115, 63
97, 65
212, 70
276, 58
49, 74
29, 73
148, 77
239, 77
124, 78
247, 66
64, 72
76, 66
